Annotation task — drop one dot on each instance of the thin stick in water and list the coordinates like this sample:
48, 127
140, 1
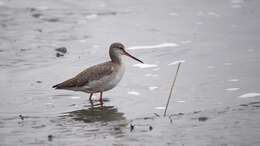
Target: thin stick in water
171, 89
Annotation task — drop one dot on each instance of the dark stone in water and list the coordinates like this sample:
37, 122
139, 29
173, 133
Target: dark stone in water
180, 114
131, 127
61, 50
195, 112
117, 128
59, 54
106, 13
52, 19
39, 82
22, 117
50, 137
203, 119
148, 118
150, 128
37, 15
243, 104
23, 50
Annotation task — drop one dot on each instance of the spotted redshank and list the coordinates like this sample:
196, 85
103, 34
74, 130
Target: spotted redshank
100, 77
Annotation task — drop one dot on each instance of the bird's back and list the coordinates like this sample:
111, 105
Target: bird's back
88, 76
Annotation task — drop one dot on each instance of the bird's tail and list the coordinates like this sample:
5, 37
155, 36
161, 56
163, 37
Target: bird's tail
56, 86
66, 84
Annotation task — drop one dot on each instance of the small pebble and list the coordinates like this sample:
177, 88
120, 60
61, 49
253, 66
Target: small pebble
37, 15
170, 119
22, 117
59, 54
195, 112
52, 19
150, 128
22, 50
117, 128
203, 119
131, 127
39, 82
180, 114
61, 50
50, 137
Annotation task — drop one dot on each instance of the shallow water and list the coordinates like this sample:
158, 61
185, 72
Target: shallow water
216, 96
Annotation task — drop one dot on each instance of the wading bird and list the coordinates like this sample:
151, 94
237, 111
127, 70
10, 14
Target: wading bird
100, 77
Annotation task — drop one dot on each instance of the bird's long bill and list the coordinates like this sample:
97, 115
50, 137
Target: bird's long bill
129, 55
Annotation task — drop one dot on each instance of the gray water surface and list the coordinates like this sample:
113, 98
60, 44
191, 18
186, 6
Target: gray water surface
216, 99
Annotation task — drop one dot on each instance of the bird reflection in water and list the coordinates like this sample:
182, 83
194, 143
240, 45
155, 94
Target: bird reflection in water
97, 120
97, 113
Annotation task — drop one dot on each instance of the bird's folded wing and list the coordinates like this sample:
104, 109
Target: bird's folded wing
90, 74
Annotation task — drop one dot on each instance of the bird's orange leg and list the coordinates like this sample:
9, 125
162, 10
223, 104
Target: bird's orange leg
101, 98
91, 94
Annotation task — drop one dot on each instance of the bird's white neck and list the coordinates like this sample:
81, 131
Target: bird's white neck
116, 58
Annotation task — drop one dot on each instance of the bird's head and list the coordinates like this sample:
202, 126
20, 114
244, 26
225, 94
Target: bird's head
117, 49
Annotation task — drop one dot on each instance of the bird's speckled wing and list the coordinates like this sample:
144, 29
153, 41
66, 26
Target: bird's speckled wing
90, 74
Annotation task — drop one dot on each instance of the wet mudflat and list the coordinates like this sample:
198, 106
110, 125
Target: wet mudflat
217, 91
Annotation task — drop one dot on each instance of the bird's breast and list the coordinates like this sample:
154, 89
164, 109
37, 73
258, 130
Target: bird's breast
115, 78
107, 82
